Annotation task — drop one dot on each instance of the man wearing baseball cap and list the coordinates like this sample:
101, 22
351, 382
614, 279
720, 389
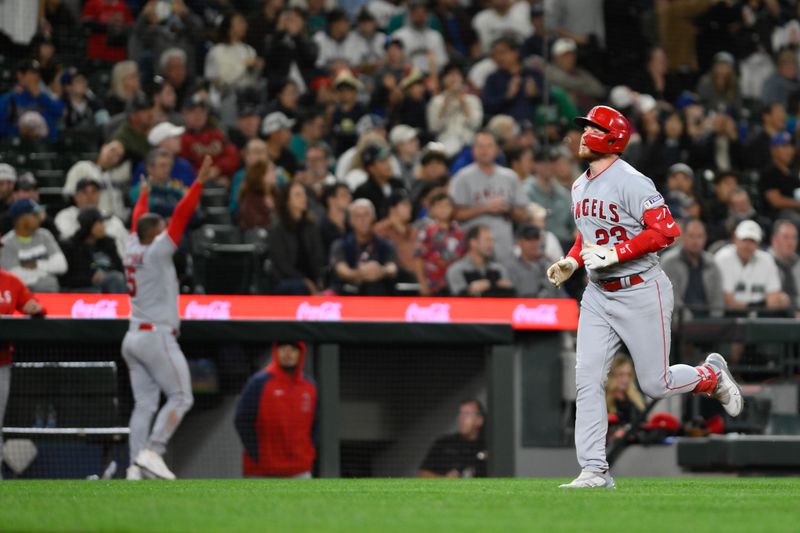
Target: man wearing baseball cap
750, 277
405, 145
380, 183
27, 95
8, 178
202, 138
168, 136
277, 131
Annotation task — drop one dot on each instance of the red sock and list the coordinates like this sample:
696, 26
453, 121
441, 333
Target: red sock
708, 380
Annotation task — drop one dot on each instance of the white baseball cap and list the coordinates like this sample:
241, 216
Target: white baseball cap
7, 173
274, 122
162, 131
562, 46
748, 229
402, 133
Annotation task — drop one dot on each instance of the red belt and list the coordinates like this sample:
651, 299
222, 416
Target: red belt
612, 285
152, 327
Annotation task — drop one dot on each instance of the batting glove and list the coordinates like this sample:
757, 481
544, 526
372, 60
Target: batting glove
595, 257
561, 270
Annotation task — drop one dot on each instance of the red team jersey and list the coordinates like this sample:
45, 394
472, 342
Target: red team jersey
13, 296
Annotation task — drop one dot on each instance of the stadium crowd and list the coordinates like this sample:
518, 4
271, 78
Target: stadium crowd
396, 145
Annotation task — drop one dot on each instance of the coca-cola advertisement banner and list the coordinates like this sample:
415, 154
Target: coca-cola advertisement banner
521, 313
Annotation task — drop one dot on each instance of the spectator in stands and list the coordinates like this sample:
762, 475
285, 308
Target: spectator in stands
624, 402
289, 49
167, 136
277, 131
750, 278
31, 252
397, 229
286, 99
696, 278
337, 46
125, 86
716, 208
411, 109
680, 196
109, 22
172, 66
720, 148
257, 195
58, 22
654, 79
232, 64
276, 415
132, 133
462, 454
106, 170
784, 82
502, 18
718, 89
423, 45
27, 188
528, 271
350, 167
405, 146
17, 298
456, 27
334, 226
369, 42
164, 101
165, 192
157, 30
552, 248
262, 22
545, 190
432, 177
582, 87
315, 176
477, 273
83, 111
387, 79
87, 195
93, 262
535, 45
779, 184
512, 89
202, 138
773, 122
254, 152
248, 126
27, 95
348, 112
363, 263
488, 194
440, 242
783, 249
739, 208
312, 131
454, 115
381, 183
8, 180
295, 244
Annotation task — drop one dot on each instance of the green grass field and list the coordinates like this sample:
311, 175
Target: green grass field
402, 505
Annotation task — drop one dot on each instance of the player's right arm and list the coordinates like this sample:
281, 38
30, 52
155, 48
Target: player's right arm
185, 208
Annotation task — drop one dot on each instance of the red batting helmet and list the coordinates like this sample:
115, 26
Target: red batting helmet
616, 130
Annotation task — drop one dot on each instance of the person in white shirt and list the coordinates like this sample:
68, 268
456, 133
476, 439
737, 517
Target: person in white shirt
750, 277
454, 115
87, 194
424, 46
106, 170
370, 41
231, 63
501, 18
338, 44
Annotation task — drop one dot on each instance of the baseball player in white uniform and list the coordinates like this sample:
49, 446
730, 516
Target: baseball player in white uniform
622, 222
150, 348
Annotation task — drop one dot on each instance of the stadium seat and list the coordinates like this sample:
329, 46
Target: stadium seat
225, 269
217, 215
214, 197
50, 178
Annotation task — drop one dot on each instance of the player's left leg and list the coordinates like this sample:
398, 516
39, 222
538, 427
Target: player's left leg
643, 314
5, 386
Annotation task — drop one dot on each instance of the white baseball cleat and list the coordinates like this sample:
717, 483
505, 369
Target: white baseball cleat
728, 392
590, 480
134, 473
150, 462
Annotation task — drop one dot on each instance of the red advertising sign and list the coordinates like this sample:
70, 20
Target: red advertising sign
520, 313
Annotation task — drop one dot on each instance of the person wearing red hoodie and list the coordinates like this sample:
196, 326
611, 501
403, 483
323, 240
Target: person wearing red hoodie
276, 417
202, 138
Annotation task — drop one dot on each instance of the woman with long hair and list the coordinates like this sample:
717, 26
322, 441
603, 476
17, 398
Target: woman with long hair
623, 399
232, 63
257, 195
295, 244
125, 85
718, 89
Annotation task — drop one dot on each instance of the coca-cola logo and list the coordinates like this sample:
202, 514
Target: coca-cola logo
428, 313
215, 310
540, 315
98, 309
324, 311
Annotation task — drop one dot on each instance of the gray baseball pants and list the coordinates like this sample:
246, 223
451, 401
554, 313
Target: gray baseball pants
156, 364
5, 387
638, 316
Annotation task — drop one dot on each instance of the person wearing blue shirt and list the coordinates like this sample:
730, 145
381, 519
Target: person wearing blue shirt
512, 89
28, 95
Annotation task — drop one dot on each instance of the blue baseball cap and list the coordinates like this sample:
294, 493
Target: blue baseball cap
23, 207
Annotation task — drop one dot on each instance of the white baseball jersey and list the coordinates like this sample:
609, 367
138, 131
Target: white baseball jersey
608, 210
152, 281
